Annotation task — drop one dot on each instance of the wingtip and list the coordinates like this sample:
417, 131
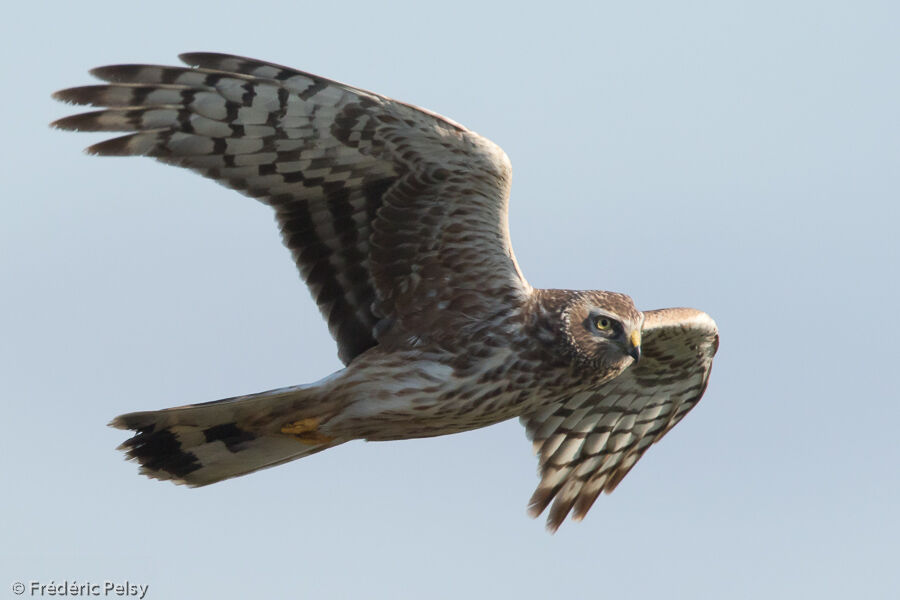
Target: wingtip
141, 143
106, 72
66, 96
84, 95
123, 73
196, 59
80, 122
539, 501
537, 506
552, 525
535, 511
114, 147
559, 512
192, 59
118, 423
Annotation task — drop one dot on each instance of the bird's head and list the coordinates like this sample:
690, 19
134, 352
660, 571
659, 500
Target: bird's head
603, 331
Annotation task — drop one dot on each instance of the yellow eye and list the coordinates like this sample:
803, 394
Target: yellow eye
603, 323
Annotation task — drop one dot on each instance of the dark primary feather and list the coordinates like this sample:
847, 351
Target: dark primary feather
393, 214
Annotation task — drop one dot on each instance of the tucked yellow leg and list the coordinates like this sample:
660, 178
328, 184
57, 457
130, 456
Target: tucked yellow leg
307, 431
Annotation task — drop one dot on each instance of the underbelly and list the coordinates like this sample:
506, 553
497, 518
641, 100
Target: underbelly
426, 398
443, 416
406, 428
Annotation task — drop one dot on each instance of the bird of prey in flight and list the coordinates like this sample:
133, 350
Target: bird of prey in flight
397, 220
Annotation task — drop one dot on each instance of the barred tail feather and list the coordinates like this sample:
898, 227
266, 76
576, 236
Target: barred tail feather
204, 443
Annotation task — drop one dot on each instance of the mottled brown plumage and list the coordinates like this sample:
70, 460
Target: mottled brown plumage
397, 221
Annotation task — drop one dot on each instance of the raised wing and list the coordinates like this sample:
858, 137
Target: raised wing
587, 444
393, 214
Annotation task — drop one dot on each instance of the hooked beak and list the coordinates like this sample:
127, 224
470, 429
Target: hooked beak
635, 340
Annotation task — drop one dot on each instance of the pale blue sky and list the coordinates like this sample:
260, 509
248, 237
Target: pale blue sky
739, 157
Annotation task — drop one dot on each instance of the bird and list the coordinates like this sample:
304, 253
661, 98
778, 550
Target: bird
396, 218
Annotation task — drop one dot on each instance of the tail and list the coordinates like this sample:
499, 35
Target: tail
204, 443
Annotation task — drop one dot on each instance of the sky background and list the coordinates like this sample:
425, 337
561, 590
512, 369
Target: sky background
738, 157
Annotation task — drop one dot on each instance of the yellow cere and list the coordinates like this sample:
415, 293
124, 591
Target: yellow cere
636, 338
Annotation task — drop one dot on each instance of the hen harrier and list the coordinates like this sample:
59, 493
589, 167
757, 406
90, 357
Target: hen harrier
397, 220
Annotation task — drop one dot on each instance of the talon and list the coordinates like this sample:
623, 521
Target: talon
307, 431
